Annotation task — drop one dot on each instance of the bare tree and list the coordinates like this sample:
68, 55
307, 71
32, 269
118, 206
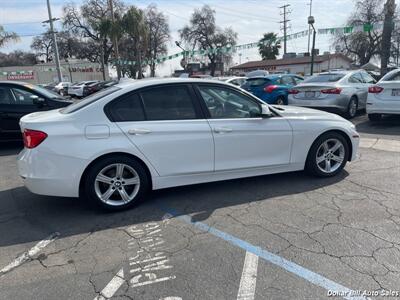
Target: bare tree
43, 46
17, 58
91, 22
203, 33
6, 37
158, 35
361, 45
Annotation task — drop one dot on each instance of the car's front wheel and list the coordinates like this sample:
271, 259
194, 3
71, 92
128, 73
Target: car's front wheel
116, 182
328, 155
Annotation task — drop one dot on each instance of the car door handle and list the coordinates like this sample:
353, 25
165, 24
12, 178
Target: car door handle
136, 131
222, 129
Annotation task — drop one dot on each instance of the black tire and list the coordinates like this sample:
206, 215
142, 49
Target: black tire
281, 100
311, 165
375, 117
351, 113
91, 187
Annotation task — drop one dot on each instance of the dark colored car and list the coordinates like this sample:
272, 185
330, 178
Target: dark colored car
272, 89
18, 99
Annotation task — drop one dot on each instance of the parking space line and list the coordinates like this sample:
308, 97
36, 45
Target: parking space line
112, 287
277, 260
247, 286
28, 255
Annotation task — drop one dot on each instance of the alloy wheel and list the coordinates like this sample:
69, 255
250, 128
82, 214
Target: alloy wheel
330, 155
117, 184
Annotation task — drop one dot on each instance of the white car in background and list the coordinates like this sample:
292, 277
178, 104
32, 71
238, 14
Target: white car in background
384, 97
77, 89
238, 81
62, 87
115, 145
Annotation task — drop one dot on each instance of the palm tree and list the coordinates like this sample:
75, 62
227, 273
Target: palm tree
6, 37
269, 46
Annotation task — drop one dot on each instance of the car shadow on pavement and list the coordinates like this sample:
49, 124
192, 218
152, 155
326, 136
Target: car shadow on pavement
389, 125
25, 217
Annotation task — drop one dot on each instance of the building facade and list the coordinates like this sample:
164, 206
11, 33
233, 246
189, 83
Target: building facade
47, 73
296, 65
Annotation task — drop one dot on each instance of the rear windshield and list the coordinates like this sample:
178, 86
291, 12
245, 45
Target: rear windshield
325, 78
256, 81
392, 76
88, 100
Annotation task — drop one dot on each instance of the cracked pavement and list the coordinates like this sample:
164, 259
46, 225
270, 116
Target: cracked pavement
346, 229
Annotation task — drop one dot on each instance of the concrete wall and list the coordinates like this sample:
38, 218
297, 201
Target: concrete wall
46, 73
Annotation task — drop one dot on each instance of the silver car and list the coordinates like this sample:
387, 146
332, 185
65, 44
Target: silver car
344, 92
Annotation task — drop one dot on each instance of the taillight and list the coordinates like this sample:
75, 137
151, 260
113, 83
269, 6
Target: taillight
331, 91
270, 88
32, 138
375, 89
293, 92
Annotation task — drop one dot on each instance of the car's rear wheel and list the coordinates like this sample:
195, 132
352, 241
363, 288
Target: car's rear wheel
116, 182
328, 155
280, 100
374, 117
352, 108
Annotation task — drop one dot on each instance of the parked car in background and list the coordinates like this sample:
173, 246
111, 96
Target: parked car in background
343, 92
62, 87
202, 76
384, 97
238, 81
257, 73
112, 148
77, 89
272, 89
18, 99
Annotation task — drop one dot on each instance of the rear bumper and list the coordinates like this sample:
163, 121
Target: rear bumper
42, 176
332, 104
377, 106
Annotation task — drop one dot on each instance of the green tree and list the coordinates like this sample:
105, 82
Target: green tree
203, 33
6, 37
269, 46
134, 25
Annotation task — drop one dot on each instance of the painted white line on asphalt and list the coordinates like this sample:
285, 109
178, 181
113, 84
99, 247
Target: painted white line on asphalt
112, 287
28, 255
247, 286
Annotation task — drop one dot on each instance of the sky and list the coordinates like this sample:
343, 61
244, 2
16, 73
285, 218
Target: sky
249, 18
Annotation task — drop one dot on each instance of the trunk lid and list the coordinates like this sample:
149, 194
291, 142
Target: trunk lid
312, 91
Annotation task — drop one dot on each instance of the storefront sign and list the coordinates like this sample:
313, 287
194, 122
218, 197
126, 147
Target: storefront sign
25, 76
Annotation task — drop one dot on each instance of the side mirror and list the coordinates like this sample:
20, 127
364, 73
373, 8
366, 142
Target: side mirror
40, 102
265, 111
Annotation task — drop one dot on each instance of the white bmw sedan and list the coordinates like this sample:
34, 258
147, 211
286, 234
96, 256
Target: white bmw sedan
384, 97
116, 145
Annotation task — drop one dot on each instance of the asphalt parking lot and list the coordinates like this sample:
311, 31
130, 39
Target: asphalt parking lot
286, 236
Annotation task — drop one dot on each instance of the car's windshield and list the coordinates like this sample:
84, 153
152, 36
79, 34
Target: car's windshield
331, 77
45, 92
88, 100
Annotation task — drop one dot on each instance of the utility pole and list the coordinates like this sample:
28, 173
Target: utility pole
285, 13
388, 27
115, 42
53, 34
309, 28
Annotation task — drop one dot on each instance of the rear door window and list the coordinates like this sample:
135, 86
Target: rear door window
287, 80
356, 78
168, 103
128, 108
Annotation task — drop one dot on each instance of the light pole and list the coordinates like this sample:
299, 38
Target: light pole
311, 22
58, 67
